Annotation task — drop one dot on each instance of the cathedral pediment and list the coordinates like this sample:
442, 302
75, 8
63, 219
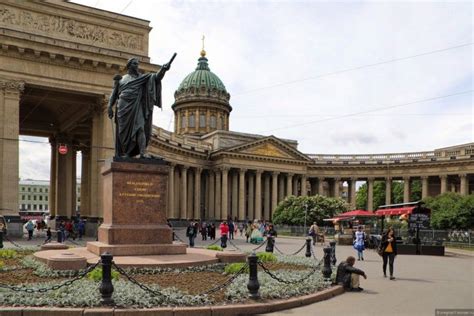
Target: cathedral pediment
269, 147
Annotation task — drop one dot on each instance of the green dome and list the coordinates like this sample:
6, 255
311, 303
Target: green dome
202, 77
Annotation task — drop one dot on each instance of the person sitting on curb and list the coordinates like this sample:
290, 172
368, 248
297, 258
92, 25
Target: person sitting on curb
348, 276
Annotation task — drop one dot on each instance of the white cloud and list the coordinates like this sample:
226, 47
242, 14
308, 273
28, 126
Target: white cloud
255, 44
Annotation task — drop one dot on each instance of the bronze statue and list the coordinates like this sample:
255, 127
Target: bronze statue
135, 95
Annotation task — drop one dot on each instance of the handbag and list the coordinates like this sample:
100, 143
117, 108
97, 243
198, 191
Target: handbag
380, 251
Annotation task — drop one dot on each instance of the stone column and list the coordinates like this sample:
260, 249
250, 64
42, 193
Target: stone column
258, 194
225, 194
211, 192
190, 194
66, 182
388, 191
281, 188
444, 183
242, 194
85, 182
304, 187
314, 186
424, 186
406, 189
289, 184
274, 191
320, 185
251, 198
336, 183
266, 199
352, 193
177, 193
9, 133
206, 196
295, 185
197, 193
463, 184
370, 194
171, 210
235, 193
218, 195
183, 193
52, 180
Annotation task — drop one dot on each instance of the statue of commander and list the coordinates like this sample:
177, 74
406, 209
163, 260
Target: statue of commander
135, 95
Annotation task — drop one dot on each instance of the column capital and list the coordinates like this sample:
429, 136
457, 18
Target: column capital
275, 173
198, 169
370, 179
258, 171
462, 175
321, 178
424, 177
224, 169
172, 164
388, 178
406, 178
337, 178
242, 170
183, 167
289, 174
443, 176
12, 86
353, 178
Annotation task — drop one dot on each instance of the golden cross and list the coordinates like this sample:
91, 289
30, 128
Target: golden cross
203, 37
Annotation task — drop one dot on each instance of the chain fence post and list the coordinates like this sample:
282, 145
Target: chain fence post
106, 287
253, 286
1, 238
332, 244
270, 244
326, 270
308, 247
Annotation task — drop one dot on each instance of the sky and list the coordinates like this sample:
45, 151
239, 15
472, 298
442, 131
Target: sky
339, 77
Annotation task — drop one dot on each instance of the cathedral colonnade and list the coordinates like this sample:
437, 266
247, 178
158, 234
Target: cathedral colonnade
245, 194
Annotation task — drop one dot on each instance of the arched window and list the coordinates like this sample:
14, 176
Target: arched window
213, 121
202, 120
183, 121
192, 122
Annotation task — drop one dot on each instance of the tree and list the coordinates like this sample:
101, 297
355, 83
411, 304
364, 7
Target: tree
379, 193
291, 211
451, 210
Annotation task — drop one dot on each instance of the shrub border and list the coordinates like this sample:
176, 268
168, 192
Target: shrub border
265, 306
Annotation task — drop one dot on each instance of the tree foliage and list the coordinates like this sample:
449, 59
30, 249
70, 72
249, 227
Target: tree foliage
451, 210
379, 193
291, 211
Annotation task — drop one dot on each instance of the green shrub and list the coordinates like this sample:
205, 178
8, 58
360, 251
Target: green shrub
215, 247
8, 253
96, 275
2, 265
235, 267
266, 257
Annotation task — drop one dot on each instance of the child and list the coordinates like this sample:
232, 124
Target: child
48, 235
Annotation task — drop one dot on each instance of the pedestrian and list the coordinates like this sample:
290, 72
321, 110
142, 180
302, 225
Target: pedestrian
70, 230
81, 227
62, 232
248, 230
359, 243
389, 248
241, 228
213, 231
203, 231
313, 232
271, 231
48, 235
231, 229
348, 276
191, 233
224, 228
30, 227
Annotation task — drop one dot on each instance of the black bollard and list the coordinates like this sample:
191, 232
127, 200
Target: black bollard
308, 247
326, 270
333, 252
59, 236
270, 244
1, 238
253, 284
106, 287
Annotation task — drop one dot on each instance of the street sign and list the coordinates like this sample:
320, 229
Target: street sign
62, 149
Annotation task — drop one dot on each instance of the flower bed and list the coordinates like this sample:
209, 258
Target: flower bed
172, 287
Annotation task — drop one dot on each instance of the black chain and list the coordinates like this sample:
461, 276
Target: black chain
235, 246
177, 237
226, 283
292, 254
52, 288
134, 281
261, 245
215, 242
277, 278
73, 242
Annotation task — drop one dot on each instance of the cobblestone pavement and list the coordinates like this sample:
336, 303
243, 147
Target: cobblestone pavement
423, 284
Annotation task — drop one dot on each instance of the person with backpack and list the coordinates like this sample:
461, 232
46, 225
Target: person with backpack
191, 233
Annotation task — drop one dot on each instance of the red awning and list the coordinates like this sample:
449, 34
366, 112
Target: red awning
356, 213
396, 211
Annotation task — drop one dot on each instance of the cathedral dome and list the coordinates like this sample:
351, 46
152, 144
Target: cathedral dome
201, 102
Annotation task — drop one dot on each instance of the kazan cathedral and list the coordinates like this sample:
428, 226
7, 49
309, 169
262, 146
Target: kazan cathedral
57, 62
218, 174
